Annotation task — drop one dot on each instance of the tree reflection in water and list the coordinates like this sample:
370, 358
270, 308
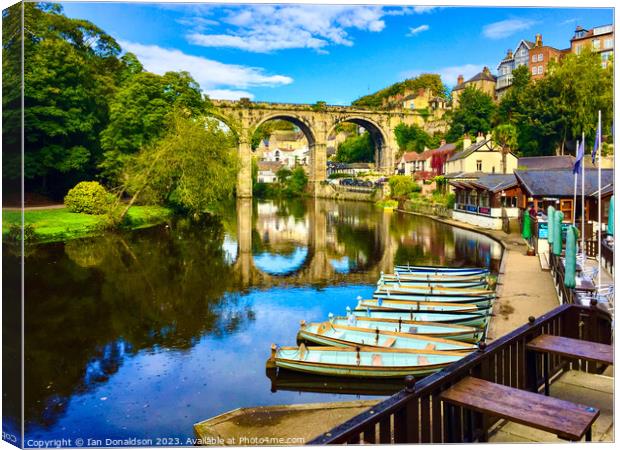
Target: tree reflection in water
96, 307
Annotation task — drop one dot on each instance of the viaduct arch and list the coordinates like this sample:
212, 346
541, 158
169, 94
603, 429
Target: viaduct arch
317, 122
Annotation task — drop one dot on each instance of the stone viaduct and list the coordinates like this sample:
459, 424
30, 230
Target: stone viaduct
317, 122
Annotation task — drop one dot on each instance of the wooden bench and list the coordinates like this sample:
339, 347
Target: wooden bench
567, 420
571, 348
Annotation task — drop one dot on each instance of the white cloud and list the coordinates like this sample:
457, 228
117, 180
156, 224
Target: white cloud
227, 80
449, 74
266, 28
228, 94
567, 21
424, 9
416, 30
505, 28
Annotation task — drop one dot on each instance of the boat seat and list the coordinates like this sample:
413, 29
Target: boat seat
430, 347
423, 361
377, 360
389, 342
337, 334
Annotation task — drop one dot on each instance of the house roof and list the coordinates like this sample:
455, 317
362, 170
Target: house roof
550, 162
488, 76
560, 182
607, 189
450, 146
464, 175
492, 183
274, 166
471, 149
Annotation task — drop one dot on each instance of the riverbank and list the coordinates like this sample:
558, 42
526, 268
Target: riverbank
58, 224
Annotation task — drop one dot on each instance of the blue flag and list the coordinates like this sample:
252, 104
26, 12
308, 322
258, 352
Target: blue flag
596, 141
578, 166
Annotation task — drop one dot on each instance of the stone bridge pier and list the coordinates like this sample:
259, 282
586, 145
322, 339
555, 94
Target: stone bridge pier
317, 122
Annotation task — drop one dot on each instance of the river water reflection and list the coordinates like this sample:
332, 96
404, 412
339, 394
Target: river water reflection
145, 333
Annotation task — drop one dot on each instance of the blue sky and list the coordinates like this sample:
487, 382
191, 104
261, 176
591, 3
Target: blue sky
307, 53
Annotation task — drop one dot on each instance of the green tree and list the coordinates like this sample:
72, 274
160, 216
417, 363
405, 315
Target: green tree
71, 68
282, 174
401, 186
506, 136
559, 107
414, 138
297, 182
473, 115
139, 111
192, 167
424, 81
356, 149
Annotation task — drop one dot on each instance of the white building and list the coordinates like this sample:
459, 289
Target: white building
267, 171
290, 157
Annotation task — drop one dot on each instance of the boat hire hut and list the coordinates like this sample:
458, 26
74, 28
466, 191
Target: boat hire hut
488, 202
544, 188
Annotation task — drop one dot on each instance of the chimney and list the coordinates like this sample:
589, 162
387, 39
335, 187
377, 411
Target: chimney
539, 40
466, 142
479, 137
442, 143
488, 136
486, 70
509, 54
460, 79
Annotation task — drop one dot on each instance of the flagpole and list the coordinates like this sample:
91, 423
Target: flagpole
575, 191
583, 208
600, 217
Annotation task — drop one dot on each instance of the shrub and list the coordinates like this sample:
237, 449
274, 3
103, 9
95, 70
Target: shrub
401, 186
15, 233
335, 175
88, 197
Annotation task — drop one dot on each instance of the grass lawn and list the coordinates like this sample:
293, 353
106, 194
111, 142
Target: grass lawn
59, 224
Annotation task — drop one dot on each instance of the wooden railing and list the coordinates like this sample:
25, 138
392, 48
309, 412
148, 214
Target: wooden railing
416, 414
556, 267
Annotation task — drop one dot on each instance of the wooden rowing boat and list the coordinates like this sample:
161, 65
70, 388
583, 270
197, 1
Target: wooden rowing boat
361, 362
474, 319
431, 329
478, 301
441, 269
330, 334
395, 277
400, 305
432, 290
480, 283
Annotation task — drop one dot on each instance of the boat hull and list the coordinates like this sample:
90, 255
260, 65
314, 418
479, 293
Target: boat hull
473, 319
404, 305
427, 283
431, 329
408, 300
322, 361
328, 334
440, 270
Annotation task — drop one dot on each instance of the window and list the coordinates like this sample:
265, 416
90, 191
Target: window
578, 48
609, 43
540, 70
534, 58
534, 70
479, 165
596, 44
540, 57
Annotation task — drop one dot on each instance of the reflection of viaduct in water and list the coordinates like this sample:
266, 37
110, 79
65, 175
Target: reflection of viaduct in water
317, 268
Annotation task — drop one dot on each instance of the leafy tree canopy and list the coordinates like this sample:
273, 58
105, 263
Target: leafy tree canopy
474, 114
139, 111
71, 68
414, 138
356, 149
559, 107
426, 80
192, 167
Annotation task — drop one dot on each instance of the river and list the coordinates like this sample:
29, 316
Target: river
142, 334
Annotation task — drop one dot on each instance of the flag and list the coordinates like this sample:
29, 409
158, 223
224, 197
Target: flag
577, 167
596, 142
